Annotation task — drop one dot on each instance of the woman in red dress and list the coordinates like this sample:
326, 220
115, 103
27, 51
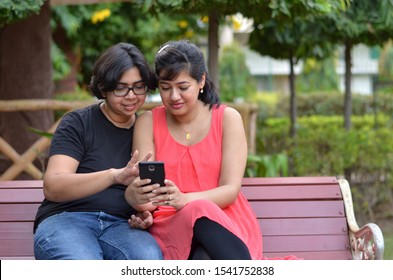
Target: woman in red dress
201, 210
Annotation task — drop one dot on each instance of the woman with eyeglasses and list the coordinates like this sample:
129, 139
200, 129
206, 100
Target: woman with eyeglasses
84, 214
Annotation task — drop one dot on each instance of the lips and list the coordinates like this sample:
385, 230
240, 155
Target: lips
177, 105
130, 107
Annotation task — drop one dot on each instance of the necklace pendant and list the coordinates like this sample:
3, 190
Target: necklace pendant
188, 136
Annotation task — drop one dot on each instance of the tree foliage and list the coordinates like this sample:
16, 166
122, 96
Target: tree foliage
236, 81
260, 10
367, 22
318, 76
93, 28
257, 9
385, 66
293, 35
14, 10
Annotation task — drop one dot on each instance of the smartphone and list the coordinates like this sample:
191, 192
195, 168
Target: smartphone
153, 170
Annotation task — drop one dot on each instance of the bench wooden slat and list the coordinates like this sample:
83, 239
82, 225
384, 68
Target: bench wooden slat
291, 193
25, 196
17, 248
16, 239
289, 181
21, 184
16, 230
18, 212
318, 255
297, 209
309, 226
310, 243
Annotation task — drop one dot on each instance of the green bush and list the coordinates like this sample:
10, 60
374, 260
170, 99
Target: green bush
267, 165
332, 103
323, 147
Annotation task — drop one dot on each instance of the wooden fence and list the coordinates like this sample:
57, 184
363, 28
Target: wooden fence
24, 162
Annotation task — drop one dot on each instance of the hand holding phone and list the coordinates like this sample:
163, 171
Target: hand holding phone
153, 170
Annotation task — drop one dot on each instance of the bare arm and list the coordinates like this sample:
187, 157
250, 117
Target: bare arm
143, 140
138, 195
62, 183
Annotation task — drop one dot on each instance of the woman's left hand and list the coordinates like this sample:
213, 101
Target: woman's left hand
169, 195
142, 220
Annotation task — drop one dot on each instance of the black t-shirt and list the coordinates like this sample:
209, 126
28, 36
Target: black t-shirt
89, 137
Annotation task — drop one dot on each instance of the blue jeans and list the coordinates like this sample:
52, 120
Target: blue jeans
92, 236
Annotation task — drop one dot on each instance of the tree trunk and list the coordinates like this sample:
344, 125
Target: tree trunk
348, 92
293, 106
213, 47
348, 99
292, 115
25, 73
69, 83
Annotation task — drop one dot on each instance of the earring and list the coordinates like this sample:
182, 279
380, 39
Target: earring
201, 90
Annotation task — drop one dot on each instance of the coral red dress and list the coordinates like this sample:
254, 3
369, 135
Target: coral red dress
197, 168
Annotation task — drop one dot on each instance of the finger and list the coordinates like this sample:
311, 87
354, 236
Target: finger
159, 198
131, 223
148, 156
134, 157
145, 158
161, 203
146, 214
142, 183
161, 190
149, 222
150, 189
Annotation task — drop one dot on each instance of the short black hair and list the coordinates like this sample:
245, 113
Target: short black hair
113, 63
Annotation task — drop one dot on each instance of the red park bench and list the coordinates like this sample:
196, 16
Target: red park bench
310, 217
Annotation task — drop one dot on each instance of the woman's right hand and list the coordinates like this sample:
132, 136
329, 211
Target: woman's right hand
127, 175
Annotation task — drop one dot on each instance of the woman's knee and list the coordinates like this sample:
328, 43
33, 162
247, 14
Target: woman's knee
202, 206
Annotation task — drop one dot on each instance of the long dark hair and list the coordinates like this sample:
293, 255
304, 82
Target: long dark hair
112, 64
176, 56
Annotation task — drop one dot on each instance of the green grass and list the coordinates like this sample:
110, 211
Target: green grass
388, 254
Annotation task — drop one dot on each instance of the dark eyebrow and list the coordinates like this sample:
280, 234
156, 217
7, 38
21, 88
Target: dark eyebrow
125, 84
179, 83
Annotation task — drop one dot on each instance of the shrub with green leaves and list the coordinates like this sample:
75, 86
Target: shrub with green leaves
332, 103
323, 147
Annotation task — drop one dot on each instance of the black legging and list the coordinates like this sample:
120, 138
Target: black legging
212, 240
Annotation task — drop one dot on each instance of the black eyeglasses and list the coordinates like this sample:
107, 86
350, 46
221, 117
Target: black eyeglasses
122, 91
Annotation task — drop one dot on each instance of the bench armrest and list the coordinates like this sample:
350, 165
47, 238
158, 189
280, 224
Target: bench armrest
367, 242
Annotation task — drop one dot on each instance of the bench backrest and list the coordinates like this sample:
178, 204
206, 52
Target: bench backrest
302, 216
19, 201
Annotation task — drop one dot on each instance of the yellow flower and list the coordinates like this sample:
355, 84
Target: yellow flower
100, 16
189, 34
205, 19
311, 63
236, 24
182, 24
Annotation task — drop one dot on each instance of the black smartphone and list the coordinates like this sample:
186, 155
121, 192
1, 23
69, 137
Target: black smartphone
153, 170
